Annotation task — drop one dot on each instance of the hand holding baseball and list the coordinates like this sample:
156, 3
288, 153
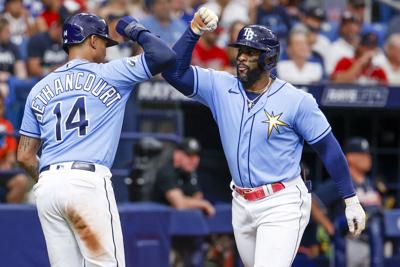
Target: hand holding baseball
204, 20
355, 215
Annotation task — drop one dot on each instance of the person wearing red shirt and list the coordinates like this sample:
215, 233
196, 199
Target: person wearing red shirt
17, 184
360, 69
208, 55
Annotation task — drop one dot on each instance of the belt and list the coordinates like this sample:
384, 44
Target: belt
76, 165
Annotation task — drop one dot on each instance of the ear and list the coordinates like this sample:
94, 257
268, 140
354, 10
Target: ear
93, 41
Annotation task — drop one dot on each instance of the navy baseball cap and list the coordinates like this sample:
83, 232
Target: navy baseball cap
358, 145
369, 39
316, 12
190, 146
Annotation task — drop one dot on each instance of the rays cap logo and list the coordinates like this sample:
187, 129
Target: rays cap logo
249, 34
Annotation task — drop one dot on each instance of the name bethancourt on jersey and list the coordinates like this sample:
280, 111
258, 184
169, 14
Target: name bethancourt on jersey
107, 94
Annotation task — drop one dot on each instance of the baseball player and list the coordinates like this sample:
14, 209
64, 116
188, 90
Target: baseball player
263, 122
75, 113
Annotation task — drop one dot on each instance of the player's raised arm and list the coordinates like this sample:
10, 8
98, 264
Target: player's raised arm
157, 54
181, 76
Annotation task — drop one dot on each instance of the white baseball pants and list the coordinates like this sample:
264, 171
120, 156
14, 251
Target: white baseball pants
268, 231
79, 217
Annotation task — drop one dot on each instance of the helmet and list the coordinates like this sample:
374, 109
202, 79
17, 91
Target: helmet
261, 38
82, 25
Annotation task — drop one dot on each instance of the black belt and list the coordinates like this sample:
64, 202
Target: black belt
84, 166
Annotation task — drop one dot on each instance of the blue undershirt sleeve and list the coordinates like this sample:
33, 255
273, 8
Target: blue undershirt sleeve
335, 162
157, 54
181, 75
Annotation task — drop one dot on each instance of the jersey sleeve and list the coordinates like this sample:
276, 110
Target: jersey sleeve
126, 72
310, 122
30, 125
203, 85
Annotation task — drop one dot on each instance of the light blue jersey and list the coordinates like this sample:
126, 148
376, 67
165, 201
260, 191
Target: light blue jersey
77, 110
264, 144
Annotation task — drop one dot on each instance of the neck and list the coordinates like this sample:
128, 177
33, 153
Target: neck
299, 63
80, 54
358, 176
259, 85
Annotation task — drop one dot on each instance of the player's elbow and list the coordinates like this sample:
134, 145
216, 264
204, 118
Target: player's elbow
168, 59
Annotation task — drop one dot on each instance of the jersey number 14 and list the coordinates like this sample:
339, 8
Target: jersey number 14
81, 123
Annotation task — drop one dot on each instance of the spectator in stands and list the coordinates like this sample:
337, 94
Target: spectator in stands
182, 10
50, 14
272, 14
390, 61
176, 184
207, 54
161, 22
22, 24
357, 8
230, 10
326, 196
360, 68
234, 29
122, 7
15, 183
300, 66
124, 48
45, 52
349, 31
11, 63
313, 18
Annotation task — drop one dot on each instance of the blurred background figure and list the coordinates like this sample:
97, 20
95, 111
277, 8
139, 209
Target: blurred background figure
366, 250
299, 66
122, 7
208, 54
313, 18
161, 22
360, 68
344, 46
45, 52
22, 24
14, 185
390, 60
233, 32
273, 15
183, 10
177, 185
50, 14
11, 63
230, 10
125, 48
147, 160
357, 9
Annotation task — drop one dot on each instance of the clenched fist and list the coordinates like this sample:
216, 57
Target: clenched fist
204, 20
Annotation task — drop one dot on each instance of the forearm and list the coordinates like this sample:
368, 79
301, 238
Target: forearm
190, 203
27, 155
335, 162
181, 75
157, 54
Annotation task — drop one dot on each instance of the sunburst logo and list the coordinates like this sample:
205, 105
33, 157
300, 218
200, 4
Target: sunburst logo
273, 122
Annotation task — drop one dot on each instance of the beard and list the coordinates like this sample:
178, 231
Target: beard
250, 77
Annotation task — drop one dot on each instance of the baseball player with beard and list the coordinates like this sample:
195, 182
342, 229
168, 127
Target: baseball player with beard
75, 114
263, 122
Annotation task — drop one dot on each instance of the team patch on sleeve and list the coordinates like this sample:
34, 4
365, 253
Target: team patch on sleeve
131, 61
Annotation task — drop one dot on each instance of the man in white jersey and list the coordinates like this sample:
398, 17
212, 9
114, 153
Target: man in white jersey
75, 115
263, 122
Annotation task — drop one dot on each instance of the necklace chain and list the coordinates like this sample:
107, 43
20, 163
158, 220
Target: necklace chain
251, 103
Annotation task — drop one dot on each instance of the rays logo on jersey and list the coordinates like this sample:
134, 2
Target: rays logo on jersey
249, 34
274, 122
